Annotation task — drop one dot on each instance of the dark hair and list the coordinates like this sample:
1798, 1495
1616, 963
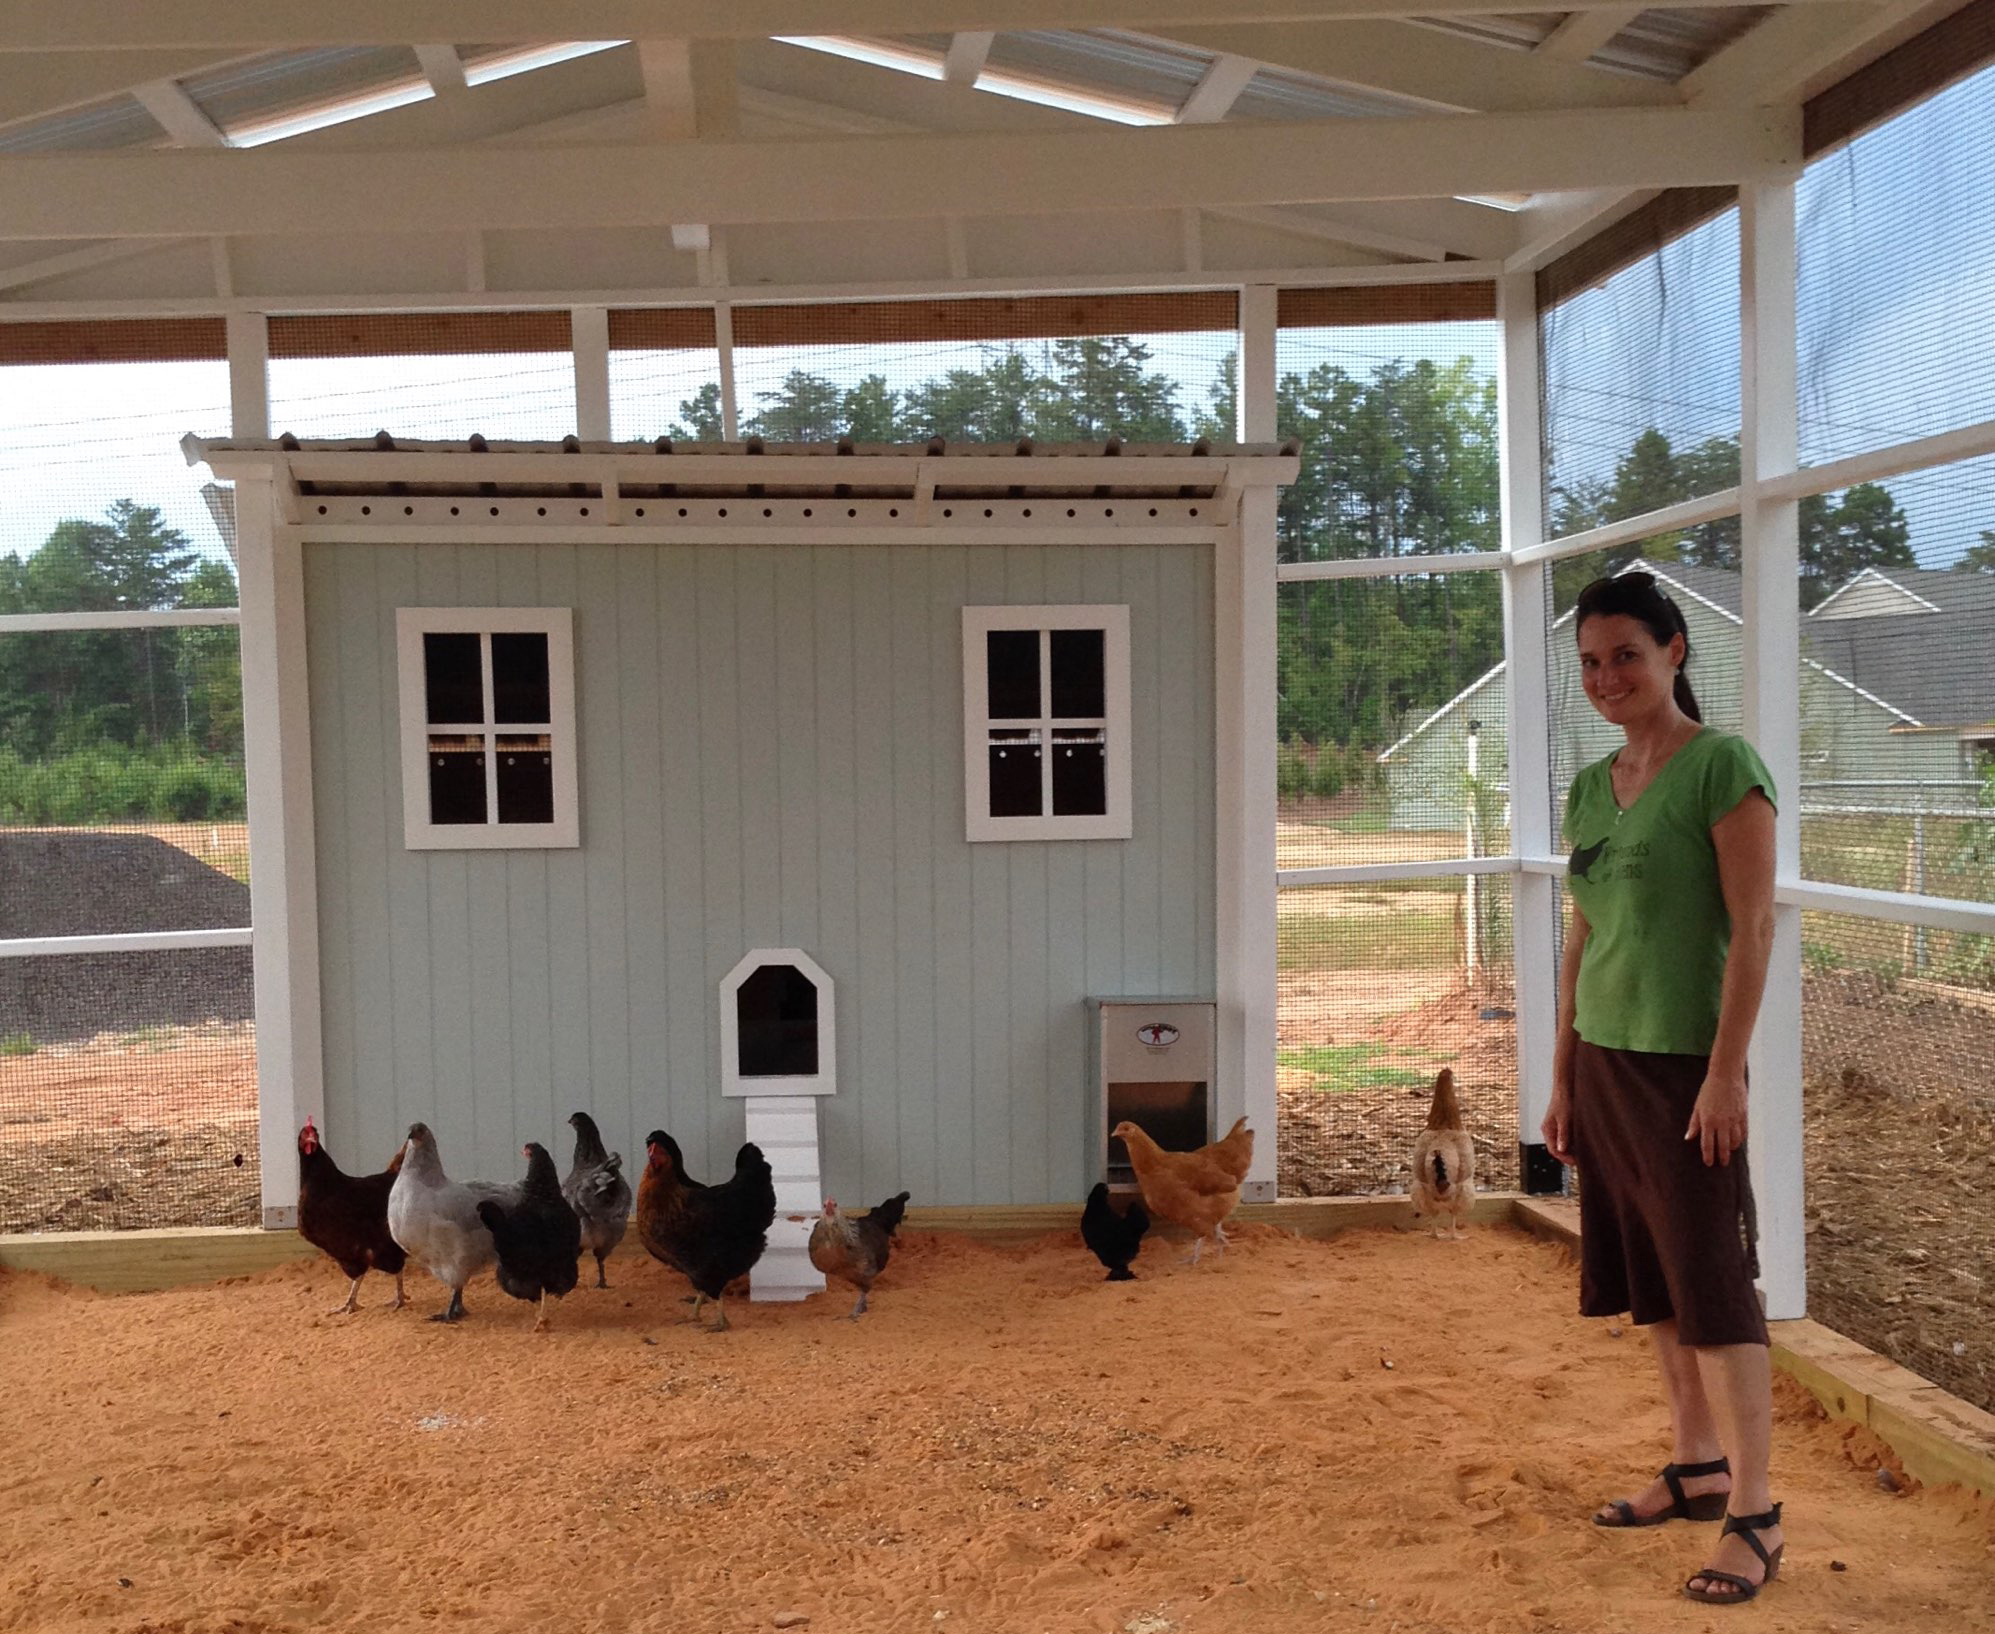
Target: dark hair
1638, 596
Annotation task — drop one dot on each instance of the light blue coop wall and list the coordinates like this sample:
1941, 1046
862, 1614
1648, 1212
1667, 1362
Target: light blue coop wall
771, 754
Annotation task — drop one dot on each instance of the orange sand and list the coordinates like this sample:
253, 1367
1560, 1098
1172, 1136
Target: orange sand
1004, 1443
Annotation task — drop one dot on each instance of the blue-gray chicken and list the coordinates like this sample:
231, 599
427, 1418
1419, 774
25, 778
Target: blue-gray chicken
597, 1191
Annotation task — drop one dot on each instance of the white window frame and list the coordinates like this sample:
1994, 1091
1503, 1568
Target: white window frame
822, 1082
1118, 822
558, 625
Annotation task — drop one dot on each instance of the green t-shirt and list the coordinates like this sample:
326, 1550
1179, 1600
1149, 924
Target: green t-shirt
1647, 880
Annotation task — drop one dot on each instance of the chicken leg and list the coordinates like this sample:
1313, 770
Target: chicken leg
352, 1299
601, 1280
859, 1309
540, 1321
454, 1311
401, 1298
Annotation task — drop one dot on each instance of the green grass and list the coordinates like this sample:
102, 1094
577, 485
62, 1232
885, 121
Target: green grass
152, 1039
1340, 1068
17, 1044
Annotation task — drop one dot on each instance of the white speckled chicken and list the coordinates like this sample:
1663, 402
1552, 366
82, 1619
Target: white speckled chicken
435, 1218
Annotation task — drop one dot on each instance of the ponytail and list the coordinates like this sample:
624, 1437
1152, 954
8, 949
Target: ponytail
1636, 595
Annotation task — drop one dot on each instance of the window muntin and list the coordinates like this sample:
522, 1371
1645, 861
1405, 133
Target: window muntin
1046, 722
488, 727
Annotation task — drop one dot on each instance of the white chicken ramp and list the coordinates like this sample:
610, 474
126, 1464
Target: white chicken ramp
785, 1127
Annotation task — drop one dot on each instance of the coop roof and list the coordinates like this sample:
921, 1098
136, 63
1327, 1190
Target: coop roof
386, 464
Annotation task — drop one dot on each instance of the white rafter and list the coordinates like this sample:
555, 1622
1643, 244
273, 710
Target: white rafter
1326, 230
869, 178
1585, 32
442, 67
1217, 90
966, 56
179, 115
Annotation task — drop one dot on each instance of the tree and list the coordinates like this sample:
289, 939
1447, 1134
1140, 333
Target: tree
871, 411
700, 419
1097, 387
806, 408
1980, 557
1840, 538
993, 403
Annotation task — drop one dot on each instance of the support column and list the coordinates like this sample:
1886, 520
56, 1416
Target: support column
589, 341
249, 376
785, 1127
1770, 549
723, 330
1244, 720
1527, 692
283, 884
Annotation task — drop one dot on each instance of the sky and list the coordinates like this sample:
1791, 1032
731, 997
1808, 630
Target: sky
1897, 318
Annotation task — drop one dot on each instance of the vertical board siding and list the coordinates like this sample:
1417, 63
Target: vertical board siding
771, 754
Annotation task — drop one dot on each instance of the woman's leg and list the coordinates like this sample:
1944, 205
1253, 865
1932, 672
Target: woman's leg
1695, 1436
1737, 1382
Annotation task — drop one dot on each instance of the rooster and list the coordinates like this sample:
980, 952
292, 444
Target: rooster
597, 1191
537, 1237
346, 1215
854, 1248
711, 1234
1444, 1161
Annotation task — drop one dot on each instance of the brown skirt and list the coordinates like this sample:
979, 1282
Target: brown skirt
1663, 1235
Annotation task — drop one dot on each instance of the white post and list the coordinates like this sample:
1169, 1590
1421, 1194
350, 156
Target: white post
283, 886
249, 375
1473, 920
1770, 547
723, 331
1527, 692
1244, 721
785, 1127
589, 342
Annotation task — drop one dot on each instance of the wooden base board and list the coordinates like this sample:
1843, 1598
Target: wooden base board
1939, 1438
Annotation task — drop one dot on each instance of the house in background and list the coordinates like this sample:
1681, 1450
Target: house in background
1897, 697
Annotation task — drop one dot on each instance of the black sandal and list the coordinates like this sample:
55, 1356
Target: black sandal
1746, 1526
1706, 1506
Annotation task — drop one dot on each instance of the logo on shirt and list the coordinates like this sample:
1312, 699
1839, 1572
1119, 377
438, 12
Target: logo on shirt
1583, 859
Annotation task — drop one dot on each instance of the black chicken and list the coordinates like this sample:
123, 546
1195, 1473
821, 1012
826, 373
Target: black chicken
711, 1234
347, 1216
1115, 1238
538, 1237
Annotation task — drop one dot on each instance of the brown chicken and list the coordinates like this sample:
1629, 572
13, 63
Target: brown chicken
1444, 1162
1236, 1151
346, 1215
854, 1248
1196, 1190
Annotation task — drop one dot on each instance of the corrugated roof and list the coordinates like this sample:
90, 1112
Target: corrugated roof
116, 123
1662, 44
262, 90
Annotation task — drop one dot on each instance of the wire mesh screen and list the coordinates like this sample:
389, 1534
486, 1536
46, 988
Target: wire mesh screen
443, 375
1710, 598
1896, 311
665, 375
1641, 383
1899, 1120
1380, 986
1145, 368
1392, 719
1397, 423
91, 417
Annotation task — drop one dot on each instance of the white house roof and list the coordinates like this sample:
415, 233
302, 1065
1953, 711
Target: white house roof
862, 146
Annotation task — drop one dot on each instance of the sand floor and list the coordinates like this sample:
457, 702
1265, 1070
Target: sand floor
1004, 1443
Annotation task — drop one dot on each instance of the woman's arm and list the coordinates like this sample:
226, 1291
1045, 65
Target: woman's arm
1744, 841
1557, 1127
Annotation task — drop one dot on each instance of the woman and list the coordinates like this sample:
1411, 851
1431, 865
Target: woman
1672, 922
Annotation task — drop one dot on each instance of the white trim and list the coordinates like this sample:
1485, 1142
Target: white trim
155, 619
707, 531
558, 625
1376, 873
1892, 907
1390, 567
1634, 529
283, 886
589, 345
249, 374
1942, 448
1879, 577
1115, 823
733, 1082
41, 947
1542, 867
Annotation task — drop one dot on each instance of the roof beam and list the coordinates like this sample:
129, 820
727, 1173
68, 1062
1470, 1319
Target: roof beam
442, 67
1444, 71
34, 25
1212, 98
179, 115
270, 190
966, 56
1585, 32
1324, 230
25, 273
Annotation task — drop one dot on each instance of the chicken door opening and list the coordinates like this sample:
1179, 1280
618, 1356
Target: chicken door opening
777, 1010
1177, 1116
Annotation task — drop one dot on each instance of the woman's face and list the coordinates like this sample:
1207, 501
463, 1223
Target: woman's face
1627, 674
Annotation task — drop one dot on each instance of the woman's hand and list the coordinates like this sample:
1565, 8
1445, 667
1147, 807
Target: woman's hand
1718, 1120
1557, 1127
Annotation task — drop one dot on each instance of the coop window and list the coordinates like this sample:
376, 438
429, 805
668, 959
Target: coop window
488, 727
1046, 723
778, 1026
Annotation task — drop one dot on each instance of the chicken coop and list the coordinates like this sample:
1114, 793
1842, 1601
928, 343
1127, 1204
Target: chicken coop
774, 563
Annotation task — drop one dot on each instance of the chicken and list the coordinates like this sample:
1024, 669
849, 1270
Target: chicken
597, 1191
1236, 1151
711, 1234
538, 1238
346, 1215
854, 1248
1196, 1190
1444, 1160
435, 1219
1114, 1238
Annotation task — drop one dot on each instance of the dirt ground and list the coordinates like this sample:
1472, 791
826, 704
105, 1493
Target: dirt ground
1376, 1433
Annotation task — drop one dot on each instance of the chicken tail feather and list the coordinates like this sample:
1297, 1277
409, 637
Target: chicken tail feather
1440, 1174
888, 1215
